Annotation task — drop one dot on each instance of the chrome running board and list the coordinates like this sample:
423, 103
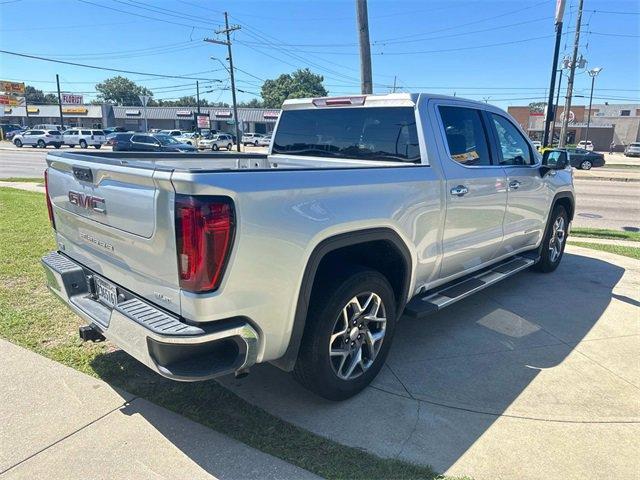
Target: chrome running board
445, 295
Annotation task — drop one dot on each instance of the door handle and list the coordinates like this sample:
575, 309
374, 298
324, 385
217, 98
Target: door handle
459, 191
514, 184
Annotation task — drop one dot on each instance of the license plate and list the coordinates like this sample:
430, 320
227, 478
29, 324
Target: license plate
106, 292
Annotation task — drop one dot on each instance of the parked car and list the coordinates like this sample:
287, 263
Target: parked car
305, 257
584, 159
38, 138
251, 138
140, 142
537, 144
632, 150
84, 138
12, 133
174, 133
216, 142
264, 141
189, 138
48, 126
585, 145
9, 127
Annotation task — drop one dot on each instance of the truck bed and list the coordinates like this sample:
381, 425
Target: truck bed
212, 162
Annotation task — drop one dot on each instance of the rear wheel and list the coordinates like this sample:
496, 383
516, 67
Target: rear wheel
255, 144
17, 143
97, 147
57, 145
586, 165
214, 147
71, 145
83, 144
41, 144
229, 147
348, 333
554, 241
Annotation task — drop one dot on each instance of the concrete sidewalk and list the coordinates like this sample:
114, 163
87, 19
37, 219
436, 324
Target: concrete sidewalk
537, 377
56, 422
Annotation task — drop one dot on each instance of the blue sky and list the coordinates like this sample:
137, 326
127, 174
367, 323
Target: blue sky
494, 50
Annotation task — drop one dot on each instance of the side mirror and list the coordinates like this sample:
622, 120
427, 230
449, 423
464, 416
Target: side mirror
554, 160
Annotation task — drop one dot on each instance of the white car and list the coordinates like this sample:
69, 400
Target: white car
585, 145
264, 141
84, 138
190, 138
173, 133
216, 142
251, 138
537, 144
38, 138
48, 126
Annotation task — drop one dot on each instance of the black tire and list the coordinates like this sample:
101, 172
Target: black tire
57, 145
229, 147
98, 147
71, 145
314, 368
83, 144
547, 261
214, 147
41, 144
586, 165
33, 146
17, 143
255, 144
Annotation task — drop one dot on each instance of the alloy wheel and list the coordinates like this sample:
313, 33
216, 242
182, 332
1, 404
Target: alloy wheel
357, 335
557, 239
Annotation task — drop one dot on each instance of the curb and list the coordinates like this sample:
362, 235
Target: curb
609, 179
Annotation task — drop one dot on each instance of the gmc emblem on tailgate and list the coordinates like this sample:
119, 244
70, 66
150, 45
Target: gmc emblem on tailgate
88, 202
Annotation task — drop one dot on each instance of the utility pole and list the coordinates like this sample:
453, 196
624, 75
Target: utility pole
554, 68
198, 96
59, 101
366, 83
572, 72
394, 83
227, 30
555, 109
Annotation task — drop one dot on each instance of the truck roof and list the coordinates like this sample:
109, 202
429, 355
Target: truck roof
388, 100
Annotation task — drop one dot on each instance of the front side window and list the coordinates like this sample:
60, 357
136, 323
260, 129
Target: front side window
362, 133
86, 132
143, 139
515, 149
466, 136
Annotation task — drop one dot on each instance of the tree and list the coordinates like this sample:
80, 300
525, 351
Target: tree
537, 107
253, 103
35, 96
301, 83
121, 90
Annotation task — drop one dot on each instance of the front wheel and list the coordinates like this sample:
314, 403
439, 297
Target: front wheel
97, 147
348, 334
229, 147
554, 241
41, 144
18, 143
214, 147
586, 165
57, 145
83, 144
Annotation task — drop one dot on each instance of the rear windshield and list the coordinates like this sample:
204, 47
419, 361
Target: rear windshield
376, 133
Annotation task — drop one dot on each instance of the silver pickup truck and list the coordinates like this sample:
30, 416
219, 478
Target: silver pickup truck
364, 209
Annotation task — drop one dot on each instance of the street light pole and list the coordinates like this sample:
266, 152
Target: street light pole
593, 73
144, 99
572, 73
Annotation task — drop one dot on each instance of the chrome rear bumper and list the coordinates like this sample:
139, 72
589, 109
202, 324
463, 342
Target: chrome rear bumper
160, 340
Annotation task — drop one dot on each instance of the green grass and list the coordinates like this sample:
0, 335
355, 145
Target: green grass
23, 179
605, 233
31, 317
631, 252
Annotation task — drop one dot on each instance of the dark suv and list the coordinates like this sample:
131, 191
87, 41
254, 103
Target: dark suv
137, 142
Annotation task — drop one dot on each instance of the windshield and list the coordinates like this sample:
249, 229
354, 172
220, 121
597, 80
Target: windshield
166, 139
376, 133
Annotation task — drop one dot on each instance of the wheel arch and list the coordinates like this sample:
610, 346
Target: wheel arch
567, 200
336, 248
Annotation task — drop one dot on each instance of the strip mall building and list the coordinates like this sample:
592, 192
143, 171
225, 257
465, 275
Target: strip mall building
619, 123
257, 120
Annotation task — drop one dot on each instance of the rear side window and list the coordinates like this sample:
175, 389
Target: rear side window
98, 132
86, 132
466, 136
37, 132
515, 149
53, 132
376, 133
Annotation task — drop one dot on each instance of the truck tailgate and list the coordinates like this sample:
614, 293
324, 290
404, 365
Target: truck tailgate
117, 220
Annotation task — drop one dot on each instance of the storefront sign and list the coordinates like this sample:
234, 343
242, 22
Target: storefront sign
11, 87
202, 120
271, 114
71, 99
8, 110
132, 112
222, 113
76, 110
33, 110
11, 100
183, 113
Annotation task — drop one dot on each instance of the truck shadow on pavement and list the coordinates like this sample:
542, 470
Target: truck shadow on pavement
511, 353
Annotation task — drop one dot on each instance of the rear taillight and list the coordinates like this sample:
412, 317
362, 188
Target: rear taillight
46, 194
204, 233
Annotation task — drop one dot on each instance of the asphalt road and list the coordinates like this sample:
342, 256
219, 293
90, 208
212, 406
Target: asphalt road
601, 204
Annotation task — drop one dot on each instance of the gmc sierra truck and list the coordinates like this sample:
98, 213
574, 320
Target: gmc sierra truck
365, 208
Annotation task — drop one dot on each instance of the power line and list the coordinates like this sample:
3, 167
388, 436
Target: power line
95, 67
161, 10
